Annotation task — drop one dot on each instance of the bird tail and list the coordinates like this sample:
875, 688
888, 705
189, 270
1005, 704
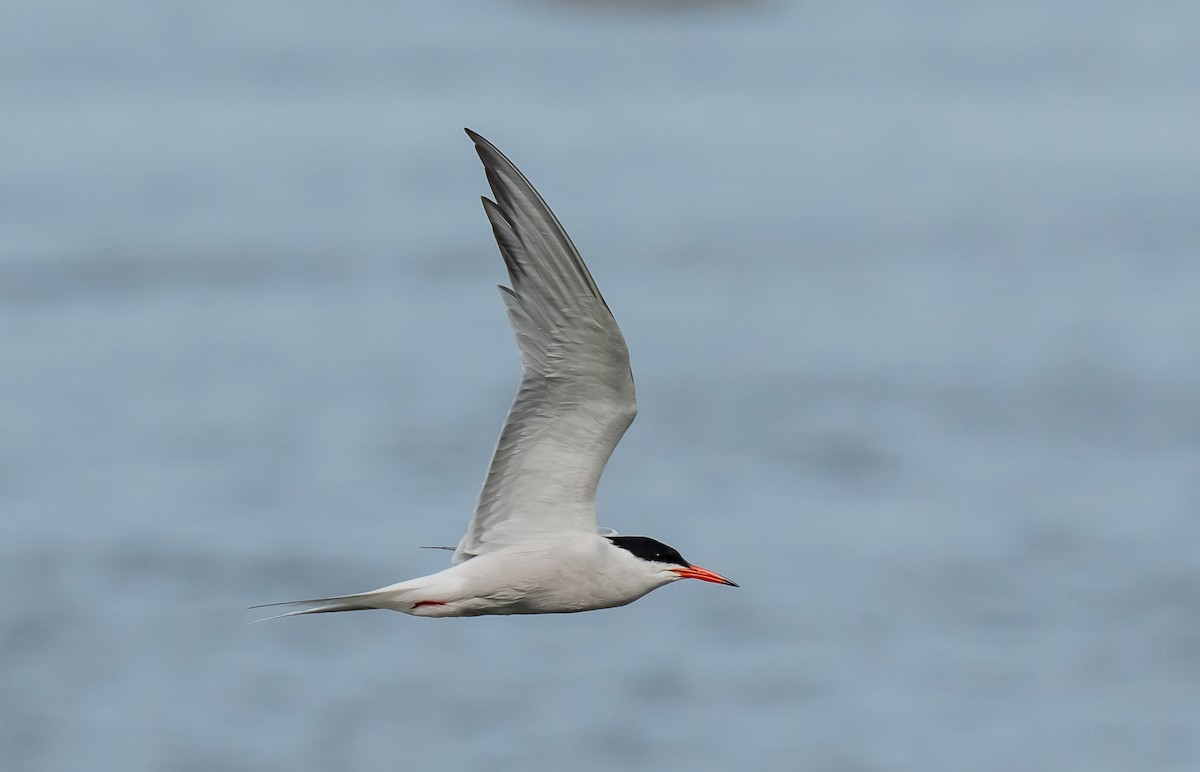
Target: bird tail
363, 601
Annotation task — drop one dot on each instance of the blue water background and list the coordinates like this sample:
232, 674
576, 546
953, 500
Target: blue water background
912, 293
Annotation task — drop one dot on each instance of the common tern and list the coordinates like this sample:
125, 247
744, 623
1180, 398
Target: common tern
532, 546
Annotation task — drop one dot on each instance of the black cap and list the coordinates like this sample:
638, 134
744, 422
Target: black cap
650, 549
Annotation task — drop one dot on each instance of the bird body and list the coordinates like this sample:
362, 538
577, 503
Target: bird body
579, 572
532, 546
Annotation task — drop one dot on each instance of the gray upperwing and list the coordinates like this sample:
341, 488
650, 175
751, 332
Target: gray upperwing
576, 397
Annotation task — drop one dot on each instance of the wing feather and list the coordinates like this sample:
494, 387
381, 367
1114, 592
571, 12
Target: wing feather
576, 397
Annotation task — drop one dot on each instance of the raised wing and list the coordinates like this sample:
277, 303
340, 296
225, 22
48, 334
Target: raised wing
576, 397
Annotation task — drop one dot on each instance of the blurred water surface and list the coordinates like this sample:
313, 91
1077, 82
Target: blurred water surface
910, 291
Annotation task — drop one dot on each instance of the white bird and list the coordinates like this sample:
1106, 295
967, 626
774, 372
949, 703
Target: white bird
532, 546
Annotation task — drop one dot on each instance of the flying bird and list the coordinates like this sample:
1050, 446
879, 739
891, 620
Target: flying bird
532, 546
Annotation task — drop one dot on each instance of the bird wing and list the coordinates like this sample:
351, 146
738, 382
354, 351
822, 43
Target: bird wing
576, 397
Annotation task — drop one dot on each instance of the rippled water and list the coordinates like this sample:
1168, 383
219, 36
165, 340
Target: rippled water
910, 293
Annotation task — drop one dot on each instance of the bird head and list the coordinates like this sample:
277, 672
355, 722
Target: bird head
666, 560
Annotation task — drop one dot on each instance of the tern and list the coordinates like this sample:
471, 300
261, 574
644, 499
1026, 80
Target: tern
532, 546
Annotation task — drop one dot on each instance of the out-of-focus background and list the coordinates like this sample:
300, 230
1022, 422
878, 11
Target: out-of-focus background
911, 291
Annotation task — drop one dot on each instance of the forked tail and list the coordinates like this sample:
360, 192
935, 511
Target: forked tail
359, 602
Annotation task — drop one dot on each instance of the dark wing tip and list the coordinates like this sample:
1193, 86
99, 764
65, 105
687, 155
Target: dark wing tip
524, 208
483, 146
480, 140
